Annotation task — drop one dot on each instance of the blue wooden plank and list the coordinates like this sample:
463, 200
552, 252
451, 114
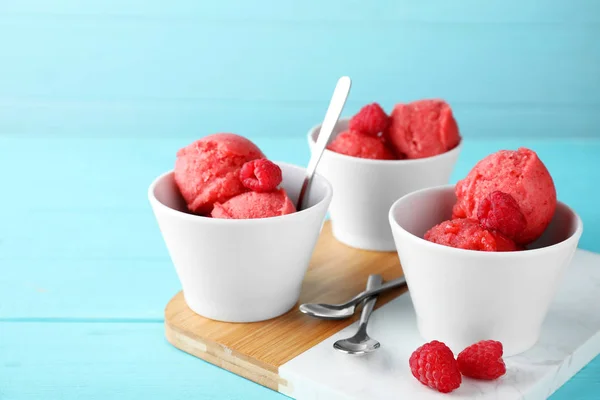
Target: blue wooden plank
133, 361
270, 119
583, 386
109, 361
84, 289
549, 11
89, 60
82, 70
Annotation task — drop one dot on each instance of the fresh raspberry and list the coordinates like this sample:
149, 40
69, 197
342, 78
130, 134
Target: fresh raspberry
370, 120
499, 211
260, 175
433, 364
482, 360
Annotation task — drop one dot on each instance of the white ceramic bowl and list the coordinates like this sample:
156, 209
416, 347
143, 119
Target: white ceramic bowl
241, 270
365, 189
463, 296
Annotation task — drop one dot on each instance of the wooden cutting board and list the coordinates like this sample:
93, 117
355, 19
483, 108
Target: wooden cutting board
257, 350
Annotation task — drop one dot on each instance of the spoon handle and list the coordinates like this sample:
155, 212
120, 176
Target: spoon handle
371, 292
373, 283
336, 105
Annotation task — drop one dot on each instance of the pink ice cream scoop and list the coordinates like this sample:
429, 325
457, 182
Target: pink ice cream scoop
356, 144
255, 205
423, 128
520, 174
468, 234
207, 170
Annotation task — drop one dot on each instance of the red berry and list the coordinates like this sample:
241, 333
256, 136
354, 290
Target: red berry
499, 211
433, 364
260, 175
370, 120
482, 360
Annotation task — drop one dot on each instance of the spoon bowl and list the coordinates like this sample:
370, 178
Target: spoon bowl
357, 346
361, 343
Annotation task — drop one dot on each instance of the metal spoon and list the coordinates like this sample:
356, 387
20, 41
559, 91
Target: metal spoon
336, 105
361, 343
346, 310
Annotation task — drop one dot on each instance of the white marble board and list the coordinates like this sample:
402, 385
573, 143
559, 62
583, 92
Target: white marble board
570, 339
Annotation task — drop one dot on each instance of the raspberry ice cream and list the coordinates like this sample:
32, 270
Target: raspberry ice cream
423, 128
468, 234
419, 129
207, 170
226, 176
520, 174
356, 144
255, 205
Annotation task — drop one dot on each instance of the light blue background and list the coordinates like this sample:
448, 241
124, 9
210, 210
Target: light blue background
96, 97
156, 68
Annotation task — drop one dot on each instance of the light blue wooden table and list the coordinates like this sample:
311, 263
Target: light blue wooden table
96, 97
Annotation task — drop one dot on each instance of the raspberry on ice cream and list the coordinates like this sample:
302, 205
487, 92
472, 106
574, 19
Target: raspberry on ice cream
255, 205
370, 120
499, 211
520, 174
356, 144
207, 170
261, 175
423, 128
469, 235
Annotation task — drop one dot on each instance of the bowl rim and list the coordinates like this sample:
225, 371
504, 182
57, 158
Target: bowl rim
371, 161
201, 219
575, 236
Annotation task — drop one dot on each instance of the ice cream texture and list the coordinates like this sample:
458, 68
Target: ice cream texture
356, 144
423, 128
251, 205
207, 170
520, 174
468, 234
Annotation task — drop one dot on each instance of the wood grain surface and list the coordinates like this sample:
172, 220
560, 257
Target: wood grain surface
257, 350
